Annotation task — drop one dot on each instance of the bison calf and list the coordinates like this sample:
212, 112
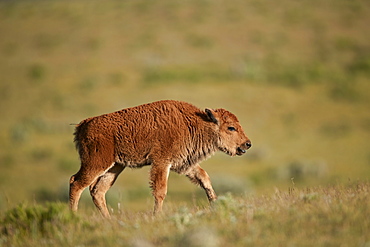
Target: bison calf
168, 135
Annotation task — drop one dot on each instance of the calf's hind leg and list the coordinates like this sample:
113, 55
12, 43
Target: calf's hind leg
88, 174
78, 183
99, 188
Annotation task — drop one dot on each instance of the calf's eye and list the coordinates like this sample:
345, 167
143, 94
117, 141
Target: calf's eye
231, 128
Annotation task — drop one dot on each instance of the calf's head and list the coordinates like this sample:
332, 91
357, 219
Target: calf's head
231, 137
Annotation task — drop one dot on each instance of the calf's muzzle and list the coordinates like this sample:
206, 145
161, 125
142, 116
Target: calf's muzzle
243, 148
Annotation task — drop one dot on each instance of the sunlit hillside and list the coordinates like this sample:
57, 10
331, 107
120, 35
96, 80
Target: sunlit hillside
297, 75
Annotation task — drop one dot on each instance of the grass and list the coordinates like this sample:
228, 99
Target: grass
320, 216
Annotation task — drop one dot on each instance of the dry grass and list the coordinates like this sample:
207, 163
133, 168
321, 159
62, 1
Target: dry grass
334, 215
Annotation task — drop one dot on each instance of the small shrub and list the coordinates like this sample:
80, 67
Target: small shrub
301, 170
231, 184
360, 63
40, 154
227, 203
227, 208
200, 236
19, 133
336, 130
88, 84
250, 69
344, 91
36, 220
7, 161
182, 218
36, 72
37, 124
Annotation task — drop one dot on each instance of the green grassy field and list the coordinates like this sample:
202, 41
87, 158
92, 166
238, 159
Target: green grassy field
297, 75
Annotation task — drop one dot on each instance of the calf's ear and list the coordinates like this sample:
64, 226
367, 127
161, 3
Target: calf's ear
211, 116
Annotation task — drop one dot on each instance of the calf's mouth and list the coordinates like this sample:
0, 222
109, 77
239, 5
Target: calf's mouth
243, 149
240, 151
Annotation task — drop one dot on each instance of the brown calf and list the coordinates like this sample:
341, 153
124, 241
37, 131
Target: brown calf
168, 135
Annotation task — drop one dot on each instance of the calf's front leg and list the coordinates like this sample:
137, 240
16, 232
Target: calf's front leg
158, 182
200, 177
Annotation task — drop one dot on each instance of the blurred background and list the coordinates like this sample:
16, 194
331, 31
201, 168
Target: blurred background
296, 73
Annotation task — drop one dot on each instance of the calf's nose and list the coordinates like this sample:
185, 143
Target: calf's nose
248, 144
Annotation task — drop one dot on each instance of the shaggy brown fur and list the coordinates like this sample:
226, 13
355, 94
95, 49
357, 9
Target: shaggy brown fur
168, 135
